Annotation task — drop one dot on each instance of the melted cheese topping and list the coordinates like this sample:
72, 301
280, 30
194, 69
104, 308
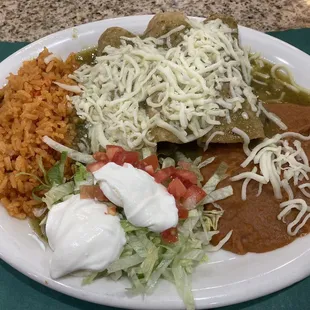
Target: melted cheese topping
143, 85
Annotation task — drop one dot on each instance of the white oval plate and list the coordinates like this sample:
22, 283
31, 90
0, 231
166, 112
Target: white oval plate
228, 278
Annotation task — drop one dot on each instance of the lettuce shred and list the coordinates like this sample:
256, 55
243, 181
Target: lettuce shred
146, 258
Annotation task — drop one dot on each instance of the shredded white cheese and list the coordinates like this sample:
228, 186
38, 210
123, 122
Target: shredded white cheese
143, 85
274, 118
216, 133
291, 84
278, 160
303, 189
246, 139
260, 189
245, 115
281, 162
245, 185
212, 248
301, 219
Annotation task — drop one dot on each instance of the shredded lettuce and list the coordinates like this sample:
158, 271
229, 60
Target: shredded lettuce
190, 223
219, 194
145, 258
57, 193
183, 284
156, 275
168, 162
55, 175
81, 173
128, 227
137, 285
126, 262
116, 275
82, 177
217, 177
148, 264
41, 166
204, 163
58, 190
146, 152
179, 156
89, 279
75, 155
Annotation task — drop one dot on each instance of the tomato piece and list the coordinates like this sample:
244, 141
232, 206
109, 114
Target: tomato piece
182, 212
177, 188
150, 170
185, 175
112, 210
187, 183
101, 156
95, 166
132, 157
92, 192
125, 157
184, 164
170, 235
111, 150
151, 160
141, 165
164, 174
193, 196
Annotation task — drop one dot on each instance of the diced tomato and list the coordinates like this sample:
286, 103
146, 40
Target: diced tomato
164, 174
112, 210
95, 166
125, 157
101, 156
92, 192
187, 183
193, 196
150, 170
184, 164
151, 160
182, 212
170, 235
185, 175
176, 188
112, 150
141, 165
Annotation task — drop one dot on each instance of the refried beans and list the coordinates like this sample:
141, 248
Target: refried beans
254, 221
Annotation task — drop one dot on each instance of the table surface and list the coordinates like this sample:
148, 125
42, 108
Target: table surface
19, 292
28, 20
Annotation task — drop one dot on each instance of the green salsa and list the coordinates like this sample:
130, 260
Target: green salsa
87, 56
273, 90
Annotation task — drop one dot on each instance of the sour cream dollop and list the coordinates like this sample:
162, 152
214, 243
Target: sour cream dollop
83, 236
145, 202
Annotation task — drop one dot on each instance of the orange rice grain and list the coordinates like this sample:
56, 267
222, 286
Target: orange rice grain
32, 106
